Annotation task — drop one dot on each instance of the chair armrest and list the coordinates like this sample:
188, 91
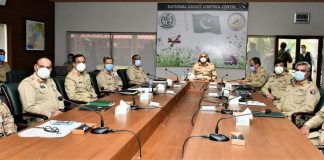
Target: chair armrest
28, 114
294, 116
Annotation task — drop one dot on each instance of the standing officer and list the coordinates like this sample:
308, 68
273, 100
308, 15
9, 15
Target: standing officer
77, 83
106, 78
38, 92
276, 85
317, 137
203, 68
301, 95
135, 72
7, 125
258, 76
4, 67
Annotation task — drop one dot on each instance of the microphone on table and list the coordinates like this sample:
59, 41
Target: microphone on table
156, 77
187, 79
211, 77
222, 138
177, 81
99, 130
222, 80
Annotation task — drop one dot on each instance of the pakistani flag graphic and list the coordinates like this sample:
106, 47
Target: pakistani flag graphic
206, 23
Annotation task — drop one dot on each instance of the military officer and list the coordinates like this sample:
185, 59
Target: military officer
4, 67
38, 92
258, 76
77, 83
135, 72
203, 68
107, 78
317, 137
301, 95
7, 125
276, 85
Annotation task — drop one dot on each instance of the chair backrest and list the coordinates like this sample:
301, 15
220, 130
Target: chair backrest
123, 76
10, 90
321, 101
59, 81
16, 76
93, 79
61, 71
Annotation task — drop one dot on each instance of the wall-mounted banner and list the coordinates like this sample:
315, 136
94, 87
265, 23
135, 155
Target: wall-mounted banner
185, 30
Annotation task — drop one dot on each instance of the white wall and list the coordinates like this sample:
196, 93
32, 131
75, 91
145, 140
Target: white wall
266, 18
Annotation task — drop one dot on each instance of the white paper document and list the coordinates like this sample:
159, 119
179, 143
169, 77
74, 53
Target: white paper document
64, 128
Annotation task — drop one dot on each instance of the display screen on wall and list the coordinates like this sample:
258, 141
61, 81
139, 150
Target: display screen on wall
186, 30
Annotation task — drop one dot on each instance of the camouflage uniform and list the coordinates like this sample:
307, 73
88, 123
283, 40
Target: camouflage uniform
258, 78
316, 121
4, 68
108, 80
39, 96
276, 85
7, 125
136, 75
204, 71
78, 87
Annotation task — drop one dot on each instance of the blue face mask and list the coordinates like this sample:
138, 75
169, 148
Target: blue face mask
138, 63
252, 68
299, 76
109, 67
2, 57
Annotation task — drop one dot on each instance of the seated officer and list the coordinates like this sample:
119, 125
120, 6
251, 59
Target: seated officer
258, 76
38, 92
107, 79
77, 83
203, 68
7, 125
317, 137
4, 67
135, 72
301, 95
276, 85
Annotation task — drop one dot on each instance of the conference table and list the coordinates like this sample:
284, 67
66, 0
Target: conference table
266, 138
117, 145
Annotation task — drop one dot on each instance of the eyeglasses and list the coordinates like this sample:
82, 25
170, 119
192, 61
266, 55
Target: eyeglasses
51, 129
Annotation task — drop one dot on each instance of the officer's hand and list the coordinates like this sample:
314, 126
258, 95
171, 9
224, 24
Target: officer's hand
270, 96
56, 113
305, 130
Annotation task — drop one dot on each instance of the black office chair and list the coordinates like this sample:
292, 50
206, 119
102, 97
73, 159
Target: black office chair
94, 83
59, 81
11, 92
305, 116
16, 76
123, 76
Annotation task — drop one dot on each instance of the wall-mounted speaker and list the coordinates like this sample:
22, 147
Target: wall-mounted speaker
302, 18
3, 2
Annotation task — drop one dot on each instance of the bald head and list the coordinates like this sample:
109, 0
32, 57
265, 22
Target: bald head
43, 62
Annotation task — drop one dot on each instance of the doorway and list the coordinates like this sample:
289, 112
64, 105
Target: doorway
313, 45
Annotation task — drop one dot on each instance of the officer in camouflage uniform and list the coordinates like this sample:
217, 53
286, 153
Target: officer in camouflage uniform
77, 83
7, 125
258, 76
135, 72
203, 68
107, 79
4, 67
317, 137
38, 92
276, 85
301, 95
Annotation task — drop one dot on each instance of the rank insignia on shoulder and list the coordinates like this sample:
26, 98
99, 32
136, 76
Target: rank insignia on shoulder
312, 91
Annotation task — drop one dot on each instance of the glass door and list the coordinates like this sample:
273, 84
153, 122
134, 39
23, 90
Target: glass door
304, 48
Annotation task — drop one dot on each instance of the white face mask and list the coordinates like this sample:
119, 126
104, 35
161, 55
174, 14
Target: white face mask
203, 59
80, 67
138, 62
279, 69
43, 73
